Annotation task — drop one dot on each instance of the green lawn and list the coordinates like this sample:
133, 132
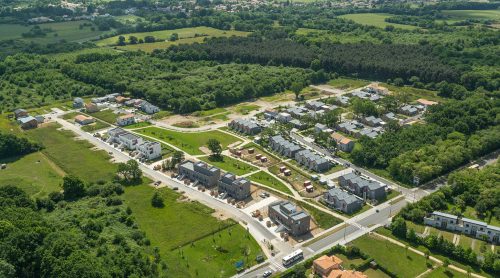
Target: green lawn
33, 173
230, 165
8, 125
246, 108
189, 142
323, 219
441, 272
138, 125
266, 179
375, 273
74, 156
181, 222
106, 115
210, 112
95, 126
474, 14
392, 256
347, 83
375, 19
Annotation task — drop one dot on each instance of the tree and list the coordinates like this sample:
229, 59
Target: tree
296, 87
174, 37
398, 227
149, 39
130, 171
132, 39
121, 40
157, 200
215, 147
73, 187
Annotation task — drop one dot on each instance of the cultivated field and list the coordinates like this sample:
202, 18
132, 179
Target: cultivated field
189, 142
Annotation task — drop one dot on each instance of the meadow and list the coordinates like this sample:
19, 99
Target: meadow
474, 14
230, 165
186, 35
68, 30
266, 179
73, 156
375, 19
34, 173
187, 234
106, 115
189, 142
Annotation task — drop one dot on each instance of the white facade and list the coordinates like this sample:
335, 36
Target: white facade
130, 141
149, 150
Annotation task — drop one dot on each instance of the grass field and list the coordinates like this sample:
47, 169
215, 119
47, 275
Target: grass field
392, 256
347, 83
33, 173
189, 142
266, 179
211, 112
441, 272
137, 125
375, 19
246, 108
74, 156
474, 14
95, 126
323, 219
8, 125
181, 222
106, 115
230, 165
186, 35
68, 30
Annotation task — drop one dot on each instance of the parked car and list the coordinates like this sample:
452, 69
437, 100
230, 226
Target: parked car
267, 273
157, 183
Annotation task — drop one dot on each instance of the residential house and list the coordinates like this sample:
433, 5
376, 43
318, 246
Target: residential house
320, 128
237, 188
149, 150
284, 117
149, 108
125, 120
91, 108
362, 187
124, 138
312, 161
20, 113
375, 88
349, 127
200, 172
27, 122
297, 111
298, 124
245, 126
342, 200
463, 225
121, 99
270, 114
106, 98
368, 131
315, 105
283, 146
323, 265
342, 100
366, 95
40, 119
389, 117
339, 273
373, 121
78, 102
133, 102
288, 218
84, 120
409, 110
343, 143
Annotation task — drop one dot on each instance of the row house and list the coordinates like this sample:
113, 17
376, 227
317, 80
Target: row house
366, 95
283, 146
341, 200
364, 188
149, 108
343, 143
245, 126
146, 149
373, 121
297, 111
200, 172
288, 218
463, 225
149, 150
312, 161
237, 188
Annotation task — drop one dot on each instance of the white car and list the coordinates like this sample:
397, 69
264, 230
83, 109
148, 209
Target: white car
267, 273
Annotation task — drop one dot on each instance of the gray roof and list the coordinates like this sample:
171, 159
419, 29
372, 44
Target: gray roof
26, 119
343, 195
476, 222
129, 136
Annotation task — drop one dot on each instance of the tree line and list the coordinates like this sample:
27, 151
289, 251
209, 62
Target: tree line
12, 145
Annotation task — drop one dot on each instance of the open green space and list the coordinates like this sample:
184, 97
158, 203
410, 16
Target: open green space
471, 213
394, 257
189, 225
230, 165
266, 179
441, 272
97, 125
73, 156
8, 125
34, 173
473, 14
206, 113
246, 108
375, 273
323, 219
67, 30
347, 83
189, 142
415, 93
375, 19
138, 125
106, 115
186, 35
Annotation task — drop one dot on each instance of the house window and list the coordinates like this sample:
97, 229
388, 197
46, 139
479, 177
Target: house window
466, 225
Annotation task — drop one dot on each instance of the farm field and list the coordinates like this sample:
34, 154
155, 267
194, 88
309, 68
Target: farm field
474, 14
393, 257
266, 179
73, 156
189, 142
182, 222
375, 19
68, 30
230, 165
34, 173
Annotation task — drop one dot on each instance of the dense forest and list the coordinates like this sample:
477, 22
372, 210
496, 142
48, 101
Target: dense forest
90, 234
12, 145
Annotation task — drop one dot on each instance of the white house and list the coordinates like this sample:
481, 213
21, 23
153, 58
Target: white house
125, 120
149, 150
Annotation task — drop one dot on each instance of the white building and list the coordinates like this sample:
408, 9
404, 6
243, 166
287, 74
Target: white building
125, 120
149, 150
